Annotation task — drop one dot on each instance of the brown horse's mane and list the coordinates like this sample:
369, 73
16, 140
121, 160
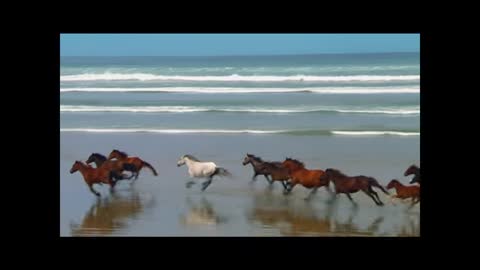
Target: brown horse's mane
123, 154
336, 172
99, 156
299, 163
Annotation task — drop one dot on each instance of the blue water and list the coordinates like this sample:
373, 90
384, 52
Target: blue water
290, 95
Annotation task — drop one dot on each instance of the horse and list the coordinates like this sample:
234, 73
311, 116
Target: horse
404, 192
311, 179
260, 167
352, 184
415, 171
135, 161
116, 165
200, 169
94, 175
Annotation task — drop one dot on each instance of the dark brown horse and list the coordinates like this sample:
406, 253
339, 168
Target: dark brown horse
260, 167
111, 165
415, 171
405, 192
94, 175
311, 179
137, 163
352, 184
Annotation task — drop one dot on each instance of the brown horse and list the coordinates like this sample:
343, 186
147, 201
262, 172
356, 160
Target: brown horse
404, 192
111, 165
352, 184
415, 171
261, 167
94, 175
135, 161
311, 179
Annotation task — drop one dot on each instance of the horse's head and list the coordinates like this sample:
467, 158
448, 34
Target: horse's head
247, 159
117, 154
411, 170
181, 161
393, 183
76, 166
91, 158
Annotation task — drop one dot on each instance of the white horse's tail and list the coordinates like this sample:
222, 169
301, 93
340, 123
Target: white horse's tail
221, 172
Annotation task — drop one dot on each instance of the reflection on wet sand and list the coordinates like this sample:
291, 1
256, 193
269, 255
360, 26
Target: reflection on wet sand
110, 214
302, 219
201, 213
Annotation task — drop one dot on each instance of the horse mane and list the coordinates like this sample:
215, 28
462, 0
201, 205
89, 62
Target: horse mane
337, 172
99, 156
296, 161
256, 158
191, 157
124, 154
414, 166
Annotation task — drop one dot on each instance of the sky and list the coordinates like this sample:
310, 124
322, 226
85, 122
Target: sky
233, 44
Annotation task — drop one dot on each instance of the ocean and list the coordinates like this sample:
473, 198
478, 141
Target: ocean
323, 95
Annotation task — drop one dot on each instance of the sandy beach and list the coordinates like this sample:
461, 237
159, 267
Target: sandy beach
163, 206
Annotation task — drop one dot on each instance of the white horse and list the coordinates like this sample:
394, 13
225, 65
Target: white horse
199, 169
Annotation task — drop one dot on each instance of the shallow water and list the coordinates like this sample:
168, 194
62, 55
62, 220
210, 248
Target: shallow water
163, 206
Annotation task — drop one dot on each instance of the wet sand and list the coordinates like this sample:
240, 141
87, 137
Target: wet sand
163, 206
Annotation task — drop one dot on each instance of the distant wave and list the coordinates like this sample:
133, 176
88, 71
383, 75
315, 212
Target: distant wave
233, 90
185, 109
232, 78
240, 131
365, 133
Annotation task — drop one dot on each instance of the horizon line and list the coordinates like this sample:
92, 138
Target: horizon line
232, 55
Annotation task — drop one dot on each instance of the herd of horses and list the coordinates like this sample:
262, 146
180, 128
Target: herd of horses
291, 172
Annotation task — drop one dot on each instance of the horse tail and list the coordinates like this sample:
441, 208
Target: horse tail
221, 172
150, 167
375, 183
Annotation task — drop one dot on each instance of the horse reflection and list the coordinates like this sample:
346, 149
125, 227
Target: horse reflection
303, 219
201, 213
109, 215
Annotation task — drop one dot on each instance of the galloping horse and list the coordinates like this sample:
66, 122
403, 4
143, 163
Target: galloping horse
199, 169
404, 192
352, 184
415, 171
94, 175
135, 161
307, 178
115, 165
260, 167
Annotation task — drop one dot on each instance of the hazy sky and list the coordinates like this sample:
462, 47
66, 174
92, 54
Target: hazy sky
232, 44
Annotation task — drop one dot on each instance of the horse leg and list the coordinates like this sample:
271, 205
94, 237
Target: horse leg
314, 190
392, 198
284, 184
288, 189
206, 183
371, 196
93, 190
268, 180
413, 203
136, 175
254, 177
350, 197
370, 189
190, 183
